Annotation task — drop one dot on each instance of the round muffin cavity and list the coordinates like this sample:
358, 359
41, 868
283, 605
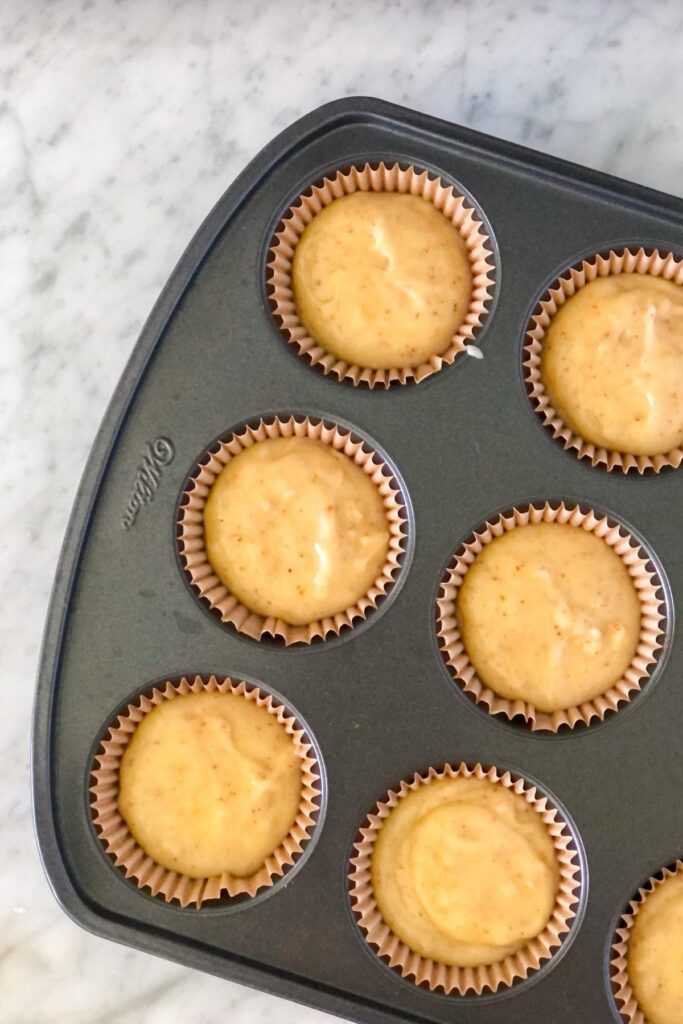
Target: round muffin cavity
549, 615
295, 529
210, 783
382, 280
655, 953
464, 871
612, 363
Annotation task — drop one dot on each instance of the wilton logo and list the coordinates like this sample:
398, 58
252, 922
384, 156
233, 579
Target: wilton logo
158, 455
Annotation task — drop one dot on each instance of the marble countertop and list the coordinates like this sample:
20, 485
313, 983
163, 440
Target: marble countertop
120, 126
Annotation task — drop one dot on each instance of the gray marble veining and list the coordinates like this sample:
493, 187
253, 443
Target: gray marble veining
120, 125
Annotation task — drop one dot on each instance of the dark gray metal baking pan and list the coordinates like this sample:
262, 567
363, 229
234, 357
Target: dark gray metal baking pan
380, 704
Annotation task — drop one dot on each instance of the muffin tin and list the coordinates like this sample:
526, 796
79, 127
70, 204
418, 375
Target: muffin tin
377, 701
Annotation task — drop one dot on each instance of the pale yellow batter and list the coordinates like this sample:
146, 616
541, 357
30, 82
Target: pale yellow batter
464, 871
295, 529
382, 280
655, 954
210, 782
549, 615
612, 363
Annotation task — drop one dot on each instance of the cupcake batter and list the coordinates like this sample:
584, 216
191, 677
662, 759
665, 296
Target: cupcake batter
612, 363
655, 954
210, 782
464, 871
295, 529
382, 279
549, 615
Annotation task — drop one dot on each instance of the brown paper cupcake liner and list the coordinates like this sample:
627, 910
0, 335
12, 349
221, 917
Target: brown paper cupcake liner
206, 584
645, 580
378, 179
127, 855
622, 261
621, 985
462, 980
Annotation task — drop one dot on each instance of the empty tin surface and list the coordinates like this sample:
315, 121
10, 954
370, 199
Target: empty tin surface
379, 701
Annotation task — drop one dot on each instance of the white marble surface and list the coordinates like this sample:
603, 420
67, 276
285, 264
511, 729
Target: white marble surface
120, 125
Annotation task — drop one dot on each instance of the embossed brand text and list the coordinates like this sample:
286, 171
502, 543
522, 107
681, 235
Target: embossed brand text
158, 455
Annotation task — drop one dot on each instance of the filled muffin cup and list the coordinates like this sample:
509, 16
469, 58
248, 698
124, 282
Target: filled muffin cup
200, 574
380, 178
621, 261
128, 855
642, 573
431, 974
623, 994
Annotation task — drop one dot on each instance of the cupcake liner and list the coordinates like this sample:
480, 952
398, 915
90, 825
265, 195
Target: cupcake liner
621, 985
378, 179
645, 580
206, 584
622, 261
117, 839
431, 973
